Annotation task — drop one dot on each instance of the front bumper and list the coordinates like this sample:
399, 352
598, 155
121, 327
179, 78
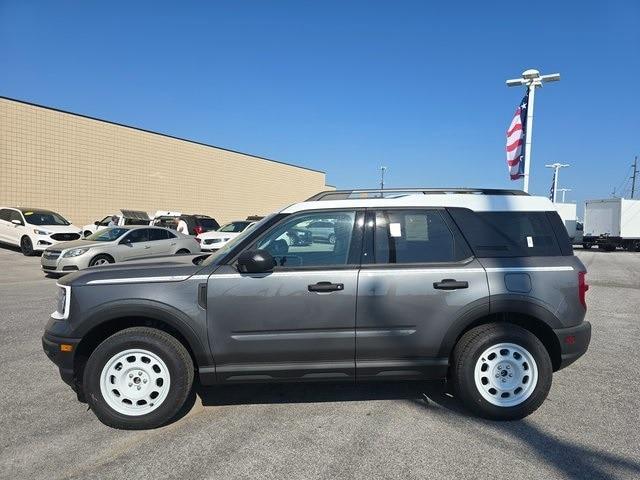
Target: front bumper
52, 346
573, 342
62, 265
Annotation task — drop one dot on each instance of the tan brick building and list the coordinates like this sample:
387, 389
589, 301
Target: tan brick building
85, 168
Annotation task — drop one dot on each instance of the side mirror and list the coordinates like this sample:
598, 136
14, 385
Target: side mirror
96, 223
256, 261
16, 222
125, 241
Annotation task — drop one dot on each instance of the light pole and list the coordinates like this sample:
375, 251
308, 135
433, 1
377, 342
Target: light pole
382, 170
531, 79
564, 190
556, 167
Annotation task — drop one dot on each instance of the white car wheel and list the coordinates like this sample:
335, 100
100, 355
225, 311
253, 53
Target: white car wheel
506, 374
135, 382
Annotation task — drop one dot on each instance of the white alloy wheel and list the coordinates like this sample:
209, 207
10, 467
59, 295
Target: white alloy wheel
506, 374
135, 382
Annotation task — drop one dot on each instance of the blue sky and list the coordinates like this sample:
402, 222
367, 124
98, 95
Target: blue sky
345, 87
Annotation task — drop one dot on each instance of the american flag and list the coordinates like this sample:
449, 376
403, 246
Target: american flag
515, 140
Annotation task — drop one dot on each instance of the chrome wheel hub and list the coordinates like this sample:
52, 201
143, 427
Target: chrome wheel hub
506, 374
135, 382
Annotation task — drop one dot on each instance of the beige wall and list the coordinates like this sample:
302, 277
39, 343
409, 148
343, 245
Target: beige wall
85, 169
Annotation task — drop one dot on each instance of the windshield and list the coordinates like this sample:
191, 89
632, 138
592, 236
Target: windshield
43, 217
107, 235
234, 227
230, 245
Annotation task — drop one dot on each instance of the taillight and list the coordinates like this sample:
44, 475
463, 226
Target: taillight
582, 288
198, 229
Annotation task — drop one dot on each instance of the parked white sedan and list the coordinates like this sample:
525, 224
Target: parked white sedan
34, 229
215, 240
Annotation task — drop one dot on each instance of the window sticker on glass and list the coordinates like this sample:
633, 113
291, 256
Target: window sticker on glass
26, 214
395, 230
530, 242
416, 228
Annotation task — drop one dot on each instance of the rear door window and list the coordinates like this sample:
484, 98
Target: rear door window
157, 234
507, 234
415, 236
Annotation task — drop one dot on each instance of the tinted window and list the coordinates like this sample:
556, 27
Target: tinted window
293, 245
13, 215
43, 217
413, 236
157, 234
5, 214
507, 234
207, 223
234, 227
140, 235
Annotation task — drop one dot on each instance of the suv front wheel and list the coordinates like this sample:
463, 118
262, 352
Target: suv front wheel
501, 371
138, 378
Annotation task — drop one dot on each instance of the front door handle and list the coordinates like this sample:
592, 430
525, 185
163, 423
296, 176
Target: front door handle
326, 287
147, 247
450, 284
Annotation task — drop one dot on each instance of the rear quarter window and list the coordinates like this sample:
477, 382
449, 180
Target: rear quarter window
512, 234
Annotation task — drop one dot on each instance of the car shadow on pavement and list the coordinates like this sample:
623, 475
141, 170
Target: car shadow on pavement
570, 459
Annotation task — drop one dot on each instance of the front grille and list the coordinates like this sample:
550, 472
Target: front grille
51, 254
65, 237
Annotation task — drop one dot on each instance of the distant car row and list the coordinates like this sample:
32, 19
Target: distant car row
128, 235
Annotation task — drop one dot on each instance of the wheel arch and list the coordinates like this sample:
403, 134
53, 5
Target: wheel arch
102, 255
110, 319
526, 314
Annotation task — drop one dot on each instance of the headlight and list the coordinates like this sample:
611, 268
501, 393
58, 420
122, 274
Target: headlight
64, 300
41, 232
75, 252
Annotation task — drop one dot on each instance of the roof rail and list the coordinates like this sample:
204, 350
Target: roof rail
401, 192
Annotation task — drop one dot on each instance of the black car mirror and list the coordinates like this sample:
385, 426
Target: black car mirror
256, 261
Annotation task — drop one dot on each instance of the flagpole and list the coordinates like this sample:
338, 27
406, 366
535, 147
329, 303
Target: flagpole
532, 79
529, 132
556, 168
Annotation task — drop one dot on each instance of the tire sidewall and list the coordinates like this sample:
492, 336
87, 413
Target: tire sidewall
27, 252
98, 257
179, 382
511, 334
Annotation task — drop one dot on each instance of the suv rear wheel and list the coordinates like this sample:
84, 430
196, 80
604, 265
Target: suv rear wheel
501, 371
138, 378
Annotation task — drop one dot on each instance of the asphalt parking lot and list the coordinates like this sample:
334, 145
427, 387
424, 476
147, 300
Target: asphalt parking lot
589, 426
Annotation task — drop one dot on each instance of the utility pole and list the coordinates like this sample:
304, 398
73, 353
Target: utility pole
531, 79
556, 167
634, 176
382, 170
564, 190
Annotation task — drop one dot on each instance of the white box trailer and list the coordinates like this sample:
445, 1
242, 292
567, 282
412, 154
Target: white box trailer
612, 223
568, 214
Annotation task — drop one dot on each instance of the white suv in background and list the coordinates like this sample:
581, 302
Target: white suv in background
34, 229
215, 240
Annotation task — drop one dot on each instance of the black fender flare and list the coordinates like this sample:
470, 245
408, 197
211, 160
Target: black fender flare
498, 304
153, 310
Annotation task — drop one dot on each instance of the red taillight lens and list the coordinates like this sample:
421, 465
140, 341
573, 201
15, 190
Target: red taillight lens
198, 229
582, 288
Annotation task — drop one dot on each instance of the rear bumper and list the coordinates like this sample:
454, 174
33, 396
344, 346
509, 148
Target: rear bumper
63, 360
573, 342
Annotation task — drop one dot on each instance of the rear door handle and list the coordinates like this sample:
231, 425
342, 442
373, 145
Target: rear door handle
450, 284
326, 287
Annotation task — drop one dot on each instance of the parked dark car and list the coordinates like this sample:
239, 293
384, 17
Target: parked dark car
198, 224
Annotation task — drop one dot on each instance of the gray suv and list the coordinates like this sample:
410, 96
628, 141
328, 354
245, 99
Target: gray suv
479, 287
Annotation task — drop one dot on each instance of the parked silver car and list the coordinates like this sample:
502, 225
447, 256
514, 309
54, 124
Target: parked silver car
116, 244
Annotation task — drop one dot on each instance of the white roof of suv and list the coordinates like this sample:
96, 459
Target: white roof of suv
476, 200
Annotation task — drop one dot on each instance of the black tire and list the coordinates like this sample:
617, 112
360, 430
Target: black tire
183, 251
586, 246
467, 352
165, 346
26, 246
95, 260
87, 233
